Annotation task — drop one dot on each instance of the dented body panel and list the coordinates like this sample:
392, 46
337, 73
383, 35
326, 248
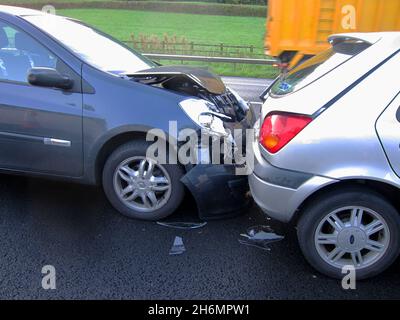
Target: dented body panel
196, 77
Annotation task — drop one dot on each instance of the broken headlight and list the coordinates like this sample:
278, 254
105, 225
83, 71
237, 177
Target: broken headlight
203, 113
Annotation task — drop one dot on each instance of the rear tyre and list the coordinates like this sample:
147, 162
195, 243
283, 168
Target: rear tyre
140, 187
352, 226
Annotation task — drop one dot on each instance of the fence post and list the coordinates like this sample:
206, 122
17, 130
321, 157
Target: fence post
133, 40
222, 48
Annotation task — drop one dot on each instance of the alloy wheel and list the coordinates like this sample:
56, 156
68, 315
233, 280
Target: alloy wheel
355, 236
142, 184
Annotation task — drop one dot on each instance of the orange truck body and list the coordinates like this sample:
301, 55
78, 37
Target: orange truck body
300, 28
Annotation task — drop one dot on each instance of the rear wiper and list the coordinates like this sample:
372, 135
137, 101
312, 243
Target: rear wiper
263, 95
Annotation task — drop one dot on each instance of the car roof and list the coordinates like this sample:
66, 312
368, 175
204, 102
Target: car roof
18, 11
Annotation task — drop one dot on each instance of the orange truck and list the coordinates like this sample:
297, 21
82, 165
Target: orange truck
298, 29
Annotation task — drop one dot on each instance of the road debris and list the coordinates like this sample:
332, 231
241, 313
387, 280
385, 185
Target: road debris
182, 225
177, 247
260, 237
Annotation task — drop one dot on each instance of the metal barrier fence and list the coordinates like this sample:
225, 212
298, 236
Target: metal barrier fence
233, 55
159, 56
183, 47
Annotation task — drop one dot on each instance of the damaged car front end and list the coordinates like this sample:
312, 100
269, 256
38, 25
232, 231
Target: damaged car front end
222, 117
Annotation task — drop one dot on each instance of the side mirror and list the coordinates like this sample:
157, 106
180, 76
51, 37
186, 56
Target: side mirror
50, 78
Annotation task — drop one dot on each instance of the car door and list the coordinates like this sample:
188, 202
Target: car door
40, 128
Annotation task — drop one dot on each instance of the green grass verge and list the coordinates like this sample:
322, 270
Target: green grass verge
198, 28
17, 2
195, 7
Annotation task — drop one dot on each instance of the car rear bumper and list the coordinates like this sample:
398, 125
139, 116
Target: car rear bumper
279, 192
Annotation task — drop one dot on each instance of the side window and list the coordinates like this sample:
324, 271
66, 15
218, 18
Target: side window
19, 52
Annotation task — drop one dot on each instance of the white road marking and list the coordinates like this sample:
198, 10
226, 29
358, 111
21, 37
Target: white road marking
259, 103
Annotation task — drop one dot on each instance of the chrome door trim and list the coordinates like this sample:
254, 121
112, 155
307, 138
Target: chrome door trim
46, 141
56, 142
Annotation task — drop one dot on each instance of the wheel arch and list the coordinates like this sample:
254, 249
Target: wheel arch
386, 190
112, 143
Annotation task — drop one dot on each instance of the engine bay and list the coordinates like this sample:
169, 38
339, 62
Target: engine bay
198, 83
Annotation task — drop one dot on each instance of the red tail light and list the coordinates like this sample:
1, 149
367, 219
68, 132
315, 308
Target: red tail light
278, 129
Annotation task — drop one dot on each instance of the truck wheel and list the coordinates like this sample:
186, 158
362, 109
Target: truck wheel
352, 226
139, 187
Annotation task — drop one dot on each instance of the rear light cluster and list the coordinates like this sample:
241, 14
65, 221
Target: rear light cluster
279, 129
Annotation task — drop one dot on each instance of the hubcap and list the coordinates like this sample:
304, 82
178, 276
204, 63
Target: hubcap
142, 184
352, 236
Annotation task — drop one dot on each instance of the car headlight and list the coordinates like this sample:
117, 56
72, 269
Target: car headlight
203, 114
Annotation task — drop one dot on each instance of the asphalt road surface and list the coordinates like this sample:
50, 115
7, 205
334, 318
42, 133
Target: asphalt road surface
98, 254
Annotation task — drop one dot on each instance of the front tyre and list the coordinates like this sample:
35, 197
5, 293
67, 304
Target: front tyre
352, 226
139, 187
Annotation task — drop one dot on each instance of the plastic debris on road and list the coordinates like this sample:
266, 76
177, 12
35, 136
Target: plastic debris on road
183, 225
260, 237
178, 247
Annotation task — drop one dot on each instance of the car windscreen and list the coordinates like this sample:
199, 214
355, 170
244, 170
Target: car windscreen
317, 67
91, 45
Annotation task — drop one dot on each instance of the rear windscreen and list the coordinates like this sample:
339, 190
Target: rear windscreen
318, 66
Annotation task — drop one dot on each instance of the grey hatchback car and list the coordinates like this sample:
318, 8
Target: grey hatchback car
327, 157
77, 105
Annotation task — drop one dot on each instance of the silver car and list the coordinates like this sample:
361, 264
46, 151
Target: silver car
327, 154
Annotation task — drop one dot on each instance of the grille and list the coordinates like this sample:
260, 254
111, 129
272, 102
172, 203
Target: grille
226, 103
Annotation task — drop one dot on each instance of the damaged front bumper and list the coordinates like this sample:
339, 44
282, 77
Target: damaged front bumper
219, 113
217, 190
